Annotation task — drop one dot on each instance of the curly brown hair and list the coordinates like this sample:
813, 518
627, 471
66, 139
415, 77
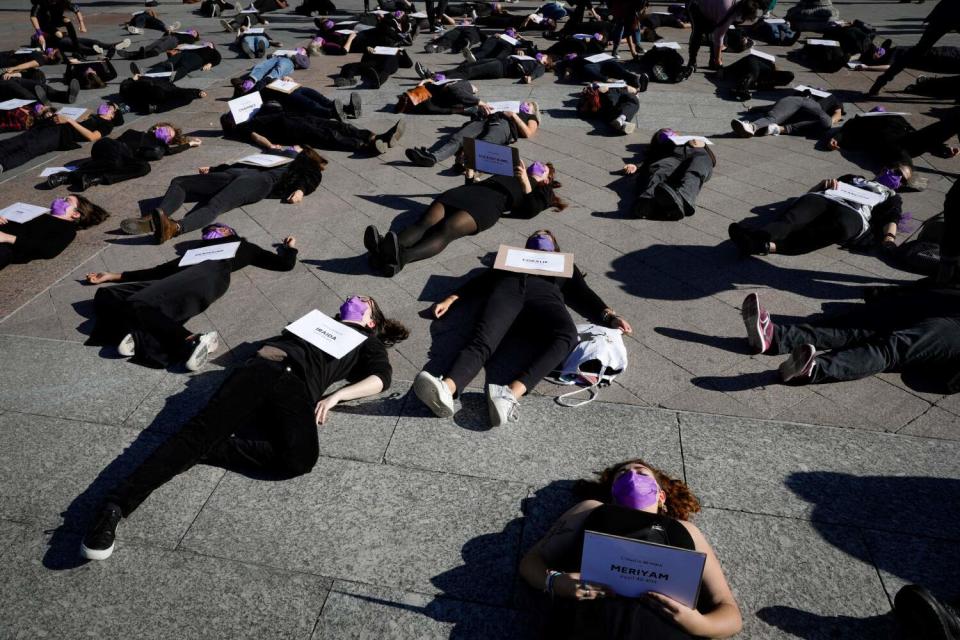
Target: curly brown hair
680, 502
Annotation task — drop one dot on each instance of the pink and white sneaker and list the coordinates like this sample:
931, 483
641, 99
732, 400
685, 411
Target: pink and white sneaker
798, 368
758, 324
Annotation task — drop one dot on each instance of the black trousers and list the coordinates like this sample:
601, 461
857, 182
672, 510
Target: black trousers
480, 70
701, 26
218, 192
532, 300
858, 353
185, 63
626, 105
944, 18
309, 100
600, 71
111, 161
803, 112
155, 48
457, 39
495, 132
493, 47
686, 170
146, 21
152, 92
333, 134
26, 146
381, 66
812, 222
435, 13
262, 394
24, 89
133, 308
950, 243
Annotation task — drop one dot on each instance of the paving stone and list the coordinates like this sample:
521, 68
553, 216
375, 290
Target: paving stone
903, 559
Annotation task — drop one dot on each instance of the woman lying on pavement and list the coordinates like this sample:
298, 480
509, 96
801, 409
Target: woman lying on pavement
670, 177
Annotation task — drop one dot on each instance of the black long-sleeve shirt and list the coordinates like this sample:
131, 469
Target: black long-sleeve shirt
248, 254
45, 236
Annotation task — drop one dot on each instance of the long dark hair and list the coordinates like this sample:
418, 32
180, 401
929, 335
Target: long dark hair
388, 330
178, 137
680, 502
555, 201
90, 214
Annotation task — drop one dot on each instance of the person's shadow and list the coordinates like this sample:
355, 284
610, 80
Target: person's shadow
810, 626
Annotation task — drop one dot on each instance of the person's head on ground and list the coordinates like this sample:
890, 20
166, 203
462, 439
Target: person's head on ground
638, 485
217, 230
364, 311
532, 109
167, 133
543, 240
78, 209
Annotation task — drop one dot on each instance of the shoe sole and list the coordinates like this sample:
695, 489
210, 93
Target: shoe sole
371, 240
356, 105
740, 129
398, 134
751, 320
921, 614
494, 415
791, 370
137, 226
430, 396
96, 554
667, 204
202, 353
127, 351
629, 128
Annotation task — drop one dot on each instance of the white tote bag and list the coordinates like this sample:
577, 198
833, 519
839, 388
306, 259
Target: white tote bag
599, 357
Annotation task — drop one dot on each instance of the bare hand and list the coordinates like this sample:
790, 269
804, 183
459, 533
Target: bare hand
203, 94
194, 142
100, 277
833, 144
621, 323
295, 197
206, 67
290, 242
3, 220
629, 169
442, 307
484, 109
287, 79
697, 143
830, 183
60, 119
569, 585
203, 170
324, 407
688, 619
510, 114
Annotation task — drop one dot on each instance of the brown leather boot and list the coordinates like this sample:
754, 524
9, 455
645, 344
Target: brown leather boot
163, 227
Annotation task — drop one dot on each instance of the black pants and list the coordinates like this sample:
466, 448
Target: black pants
155, 48
102, 68
185, 63
936, 87
701, 26
858, 353
626, 105
493, 131
803, 112
686, 170
262, 393
134, 308
155, 93
944, 18
381, 66
600, 71
308, 100
480, 70
333, 134
111, 161
493, 47
25, 89
457, 39
930, 138
812, 222
26, 146
528, 298
435, 13
146, 21
219, 192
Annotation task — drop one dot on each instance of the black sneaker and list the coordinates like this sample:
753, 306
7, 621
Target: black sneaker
41, 93
98, 543
356, 105
135, 69
73, 90
670, 205
924, 617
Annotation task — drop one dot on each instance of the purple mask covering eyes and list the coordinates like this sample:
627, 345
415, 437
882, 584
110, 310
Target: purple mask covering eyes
635, 490
59, 207
439, 77
194, 33
541, 242
890, 179
328, 24
217, 231
49, 51
163, 134
353, 309
318, 41
247, 85
538, 170
665, 135
878, 109
526, 108
103, 109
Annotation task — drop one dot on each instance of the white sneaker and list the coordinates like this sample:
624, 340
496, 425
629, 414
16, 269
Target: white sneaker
743, 128
629, 127
773, 129
123, 45
174, 26
468, 55
227, 26
127, 346
434, 393
136, 31
502, 405
206, 344
97, 49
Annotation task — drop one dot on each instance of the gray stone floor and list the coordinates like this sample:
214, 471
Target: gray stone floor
821, 501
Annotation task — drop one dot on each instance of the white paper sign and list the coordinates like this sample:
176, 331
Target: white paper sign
681, 140
508, 39
583, 36
252, 31
190, 47
379, 12
25, 51
49, 171
823, 43
244, 107
762, 55
284, 53
775, 21
286, 86
136, 13
158, 74
518, 57
14, 103
633, 567
345, 23
185, 33
386, 51
496, 159
223, 251
362, 27
667, 45
599, 57
536, 18
250, 10
619, 84
505, 105
22, 212
420, 15
74, 113
855, 194
265, 160
875, 114
548, 261
332, 337
345, 32
814, 92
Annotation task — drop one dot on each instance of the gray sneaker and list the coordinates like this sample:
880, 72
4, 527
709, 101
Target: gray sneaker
502, 405
206, 344
434, 393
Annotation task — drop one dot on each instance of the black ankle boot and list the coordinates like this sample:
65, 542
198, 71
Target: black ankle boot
88, 180
57, 179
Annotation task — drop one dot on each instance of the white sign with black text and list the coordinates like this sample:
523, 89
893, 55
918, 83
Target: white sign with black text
223, 251
332, 337
245, 107
22, 212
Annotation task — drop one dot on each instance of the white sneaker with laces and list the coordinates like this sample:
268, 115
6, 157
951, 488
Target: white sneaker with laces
502, 405
127, 346
134, 30
207, 344
773, 129
434, 393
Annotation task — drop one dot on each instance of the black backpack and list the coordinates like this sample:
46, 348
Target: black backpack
663, 64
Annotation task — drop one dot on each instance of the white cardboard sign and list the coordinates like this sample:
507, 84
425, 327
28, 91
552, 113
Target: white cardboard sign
265, 160
855, 194
252, 31
245, 107
634, 567
519, 57
22, 212
158, 74
486, 157
505, 105
877, 114
386, 51
823, 43
332, 337
284, 53
286, 86
14, 103
681, 140
191, 47
814, 92
223, 251
74, 113
599, 57
762, 55
545, 263
775, 20
49, 171
508, 39
667, 45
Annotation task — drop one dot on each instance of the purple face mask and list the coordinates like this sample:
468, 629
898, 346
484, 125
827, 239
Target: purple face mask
526, 108
49, 51
878, 109
37, 109
318, 41
540, 57
538, 170
215, 231
541, 242
439, 77
890, 179
103, 109
163, 134
511, 32
879, 52
635, 490
398, 14
328, 24
248, 85
598, 36
353, 309
60, 207
664, 135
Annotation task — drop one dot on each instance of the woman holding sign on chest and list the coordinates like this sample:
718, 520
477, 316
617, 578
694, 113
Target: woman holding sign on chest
464, 211
146, 316
636, 501
275, 400
46, 236
511, 296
